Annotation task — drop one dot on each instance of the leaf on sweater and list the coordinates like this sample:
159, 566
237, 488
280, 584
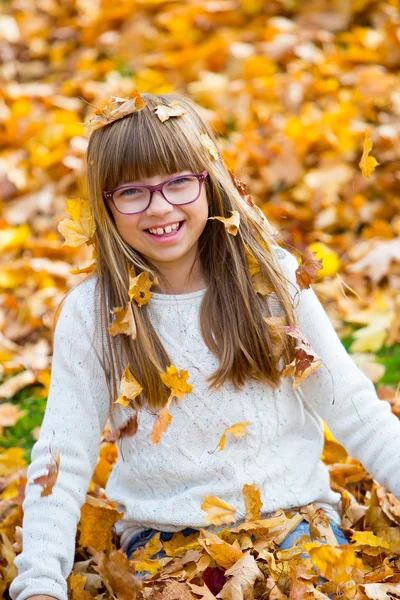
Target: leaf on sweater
176, 381
305, 362
162, 423
231, 223
124, 321
224, 554
307, 271
252, 501
96, 523
139, 287
129, 386
367, 163
116, 108
81, 228
129, 428
164, 112
218, 511
242, 577
238, 430
276, 327
48, 480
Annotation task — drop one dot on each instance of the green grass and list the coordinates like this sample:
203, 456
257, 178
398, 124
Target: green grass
387, 356
20, 434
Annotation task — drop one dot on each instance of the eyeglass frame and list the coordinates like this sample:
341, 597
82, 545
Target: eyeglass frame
109, 194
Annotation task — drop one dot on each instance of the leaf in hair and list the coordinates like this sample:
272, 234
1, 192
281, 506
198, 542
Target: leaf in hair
162, 423
176, 381
115, 109
238, 430
139, 288
276, 327
124, 322
306, 273
209, 145
87, 269
305, 362
164, 112
130, 387
80, 229
128, 429
231, 223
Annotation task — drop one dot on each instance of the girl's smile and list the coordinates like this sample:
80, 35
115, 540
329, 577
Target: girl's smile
167, 237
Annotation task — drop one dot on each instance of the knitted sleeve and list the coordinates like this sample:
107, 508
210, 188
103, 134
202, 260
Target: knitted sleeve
76, 413
342, 395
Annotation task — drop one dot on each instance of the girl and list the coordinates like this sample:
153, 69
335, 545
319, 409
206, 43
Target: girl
220, 297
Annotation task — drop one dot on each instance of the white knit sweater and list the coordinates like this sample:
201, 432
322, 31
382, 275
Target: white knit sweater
163, 486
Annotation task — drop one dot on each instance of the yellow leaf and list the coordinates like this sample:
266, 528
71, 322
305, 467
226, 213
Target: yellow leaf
97, 521
238, 430
330, 260
209, 145
82, 226
116, 108
124, 321
337, 564
139, 287
368, 538
130, 387
176, 381
223, 553
252, 500
218, 511
231, 223
367, 163
164, 111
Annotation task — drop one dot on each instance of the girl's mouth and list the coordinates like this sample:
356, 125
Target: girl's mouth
166, 237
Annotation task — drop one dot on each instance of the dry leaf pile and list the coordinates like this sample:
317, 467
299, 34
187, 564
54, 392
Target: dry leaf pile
305, 98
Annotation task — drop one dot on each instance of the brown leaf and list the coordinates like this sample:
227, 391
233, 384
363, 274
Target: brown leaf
306, 272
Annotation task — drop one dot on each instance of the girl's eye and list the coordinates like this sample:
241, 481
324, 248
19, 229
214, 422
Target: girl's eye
130, 191
180, 181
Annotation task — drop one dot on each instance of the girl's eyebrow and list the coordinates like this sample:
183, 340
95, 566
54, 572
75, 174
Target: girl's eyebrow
136, 182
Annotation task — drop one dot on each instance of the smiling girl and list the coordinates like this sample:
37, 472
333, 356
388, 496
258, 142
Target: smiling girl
220, 299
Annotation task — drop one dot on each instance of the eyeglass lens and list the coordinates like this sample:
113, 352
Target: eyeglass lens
136, 199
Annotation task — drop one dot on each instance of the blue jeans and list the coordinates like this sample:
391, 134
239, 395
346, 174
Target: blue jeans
141, 538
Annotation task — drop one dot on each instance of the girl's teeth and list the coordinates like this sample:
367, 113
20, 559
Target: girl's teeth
168, 229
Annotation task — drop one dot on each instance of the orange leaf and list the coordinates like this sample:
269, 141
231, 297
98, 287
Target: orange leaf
176, 381
50, 478
252, 500
306, 272
367, 163
163, 422
231, 223
218, 511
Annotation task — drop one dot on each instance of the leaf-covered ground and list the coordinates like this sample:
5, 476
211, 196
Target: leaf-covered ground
291, 89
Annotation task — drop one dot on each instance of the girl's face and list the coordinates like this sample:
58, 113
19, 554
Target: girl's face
164, 249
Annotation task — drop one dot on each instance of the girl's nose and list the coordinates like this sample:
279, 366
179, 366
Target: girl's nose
159, 205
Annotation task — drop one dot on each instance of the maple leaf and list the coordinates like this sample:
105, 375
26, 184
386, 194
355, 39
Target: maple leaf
49, 479
367, 163
81, 228
139, 287
115, 109
306, 272
97, 520
231, 223
164, 111
218, 511
130, 387
242, 577
176, 381
124, 322
252, 500
224, 554
238, 430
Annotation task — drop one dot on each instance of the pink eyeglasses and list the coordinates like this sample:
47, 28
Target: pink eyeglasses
133, 199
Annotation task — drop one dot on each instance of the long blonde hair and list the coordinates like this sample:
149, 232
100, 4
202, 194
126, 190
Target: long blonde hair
139, 146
